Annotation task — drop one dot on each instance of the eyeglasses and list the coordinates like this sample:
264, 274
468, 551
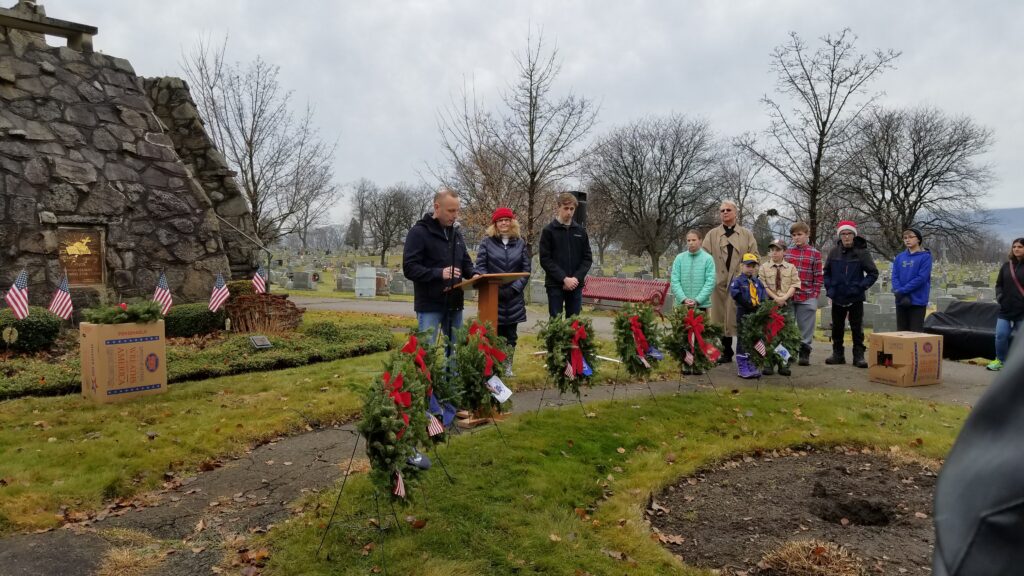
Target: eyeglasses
726, 210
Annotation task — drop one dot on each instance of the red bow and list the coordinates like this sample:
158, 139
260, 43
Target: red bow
413, 347
776, 322
695, 327
576, 357
638, 336
401, 399
491, 354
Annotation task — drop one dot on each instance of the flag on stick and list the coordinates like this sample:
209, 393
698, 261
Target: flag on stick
162, 295
60, 305
760, 347
259, 280
219, 295
17, 296
434, 426
569, 372
399, 485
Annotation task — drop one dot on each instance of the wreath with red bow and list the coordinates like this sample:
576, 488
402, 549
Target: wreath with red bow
479, 354
637, 339
572, 351
693, 341
766, 332
394, 420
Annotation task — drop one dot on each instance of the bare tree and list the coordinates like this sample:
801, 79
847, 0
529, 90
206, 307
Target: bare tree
918, 168
603, 225
740, 178
362, 190
519, 157
248, 116
804, 144
658, 174
389, 215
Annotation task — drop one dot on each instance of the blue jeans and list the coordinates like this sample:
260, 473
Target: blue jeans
1005, 331
571, 300
432, 320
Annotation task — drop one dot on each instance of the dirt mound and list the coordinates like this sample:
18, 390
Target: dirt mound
731, 516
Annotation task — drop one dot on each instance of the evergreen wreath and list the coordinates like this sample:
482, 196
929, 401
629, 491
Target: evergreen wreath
564, 358
134, 313
479, 354
394, 423
637, 339
771, 327
683, 322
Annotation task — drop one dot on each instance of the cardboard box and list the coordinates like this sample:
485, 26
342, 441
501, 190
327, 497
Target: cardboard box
123, 361
905, 358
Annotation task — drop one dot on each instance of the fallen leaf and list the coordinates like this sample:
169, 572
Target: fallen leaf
844, 521
671, 539
369, 548
554, 537
620, 450
920, 515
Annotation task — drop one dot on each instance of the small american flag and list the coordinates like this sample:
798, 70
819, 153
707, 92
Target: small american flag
688, 358
219, 295
399, 486
17, 296
259, 281
760, 347
434, 426
569, 372
60, 305
162, 295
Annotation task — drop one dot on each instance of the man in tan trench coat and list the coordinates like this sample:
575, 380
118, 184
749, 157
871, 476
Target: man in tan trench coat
727, 244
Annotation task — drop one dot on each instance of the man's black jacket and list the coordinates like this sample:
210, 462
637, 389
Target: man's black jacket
428, 251
564, 252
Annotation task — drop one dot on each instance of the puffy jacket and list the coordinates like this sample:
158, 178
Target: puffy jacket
1011, 302
849, 272
428, 251
912, 277
493, 257
693, 277
564, 252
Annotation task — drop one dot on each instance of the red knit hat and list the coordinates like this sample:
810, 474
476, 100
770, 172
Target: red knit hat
502, 213
847, 225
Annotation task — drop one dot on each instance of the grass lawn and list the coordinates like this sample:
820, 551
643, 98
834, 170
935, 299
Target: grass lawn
567, 494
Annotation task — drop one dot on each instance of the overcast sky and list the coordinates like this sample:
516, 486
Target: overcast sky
379, 71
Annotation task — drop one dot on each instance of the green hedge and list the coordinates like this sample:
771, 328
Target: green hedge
235, 355
38, 331
239, 287
187, 320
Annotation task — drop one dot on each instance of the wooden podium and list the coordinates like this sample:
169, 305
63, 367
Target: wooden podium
487, 285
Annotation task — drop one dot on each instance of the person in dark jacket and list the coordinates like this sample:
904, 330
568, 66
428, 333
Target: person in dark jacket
435, 259
748, 292
565, 257
1010, 296
911, 282
503, 250
849, 272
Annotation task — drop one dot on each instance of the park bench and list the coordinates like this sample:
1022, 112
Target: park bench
600, 288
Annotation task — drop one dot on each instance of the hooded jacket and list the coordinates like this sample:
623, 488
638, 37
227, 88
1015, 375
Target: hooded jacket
564, 253
693, 277
912, 277
849, 272
495, 257
1011, 302
429, 249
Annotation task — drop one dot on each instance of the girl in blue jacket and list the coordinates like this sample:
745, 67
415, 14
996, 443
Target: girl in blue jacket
911, 282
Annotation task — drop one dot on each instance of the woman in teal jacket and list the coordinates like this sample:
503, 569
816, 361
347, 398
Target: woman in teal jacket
693, 274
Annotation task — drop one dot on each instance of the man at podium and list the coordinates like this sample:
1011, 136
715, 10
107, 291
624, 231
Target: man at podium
435, 259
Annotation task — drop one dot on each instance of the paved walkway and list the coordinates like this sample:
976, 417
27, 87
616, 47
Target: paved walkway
250, 493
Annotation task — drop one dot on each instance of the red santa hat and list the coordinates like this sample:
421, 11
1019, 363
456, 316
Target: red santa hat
847, 225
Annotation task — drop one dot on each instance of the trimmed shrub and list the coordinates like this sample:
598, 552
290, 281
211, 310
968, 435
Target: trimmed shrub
187, 320
325, 330
36, 332
239, 287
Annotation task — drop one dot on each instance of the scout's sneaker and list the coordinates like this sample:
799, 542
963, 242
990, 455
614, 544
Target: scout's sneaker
419, 460
784, 369
994, 366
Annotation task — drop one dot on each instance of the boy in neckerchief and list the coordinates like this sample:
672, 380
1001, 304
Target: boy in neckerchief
748, 292
781, 280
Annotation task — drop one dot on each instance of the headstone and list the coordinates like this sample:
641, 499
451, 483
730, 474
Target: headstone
596, 271
825, 318
538, 295
366, 282
870, 312
303, 281
943, 302
822, 299
886, 300
621, 274
986, 294
885, 322
646, 276
344, 283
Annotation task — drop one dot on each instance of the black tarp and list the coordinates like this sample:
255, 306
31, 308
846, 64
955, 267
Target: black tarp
968, 330
979, 498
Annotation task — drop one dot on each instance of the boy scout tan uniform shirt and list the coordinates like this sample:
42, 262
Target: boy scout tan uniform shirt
788, 276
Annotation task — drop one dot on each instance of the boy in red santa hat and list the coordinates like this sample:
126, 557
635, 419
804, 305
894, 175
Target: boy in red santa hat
849, 272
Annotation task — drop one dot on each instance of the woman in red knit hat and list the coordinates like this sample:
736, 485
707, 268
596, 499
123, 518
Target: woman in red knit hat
502, 251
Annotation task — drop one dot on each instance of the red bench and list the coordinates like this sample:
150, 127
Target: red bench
598, 288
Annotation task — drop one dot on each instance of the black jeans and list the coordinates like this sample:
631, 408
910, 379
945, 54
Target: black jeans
910, 318
571, 300
855, 312
510, 333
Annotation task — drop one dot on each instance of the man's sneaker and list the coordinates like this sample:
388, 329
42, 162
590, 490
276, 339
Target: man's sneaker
420, 461
994, 366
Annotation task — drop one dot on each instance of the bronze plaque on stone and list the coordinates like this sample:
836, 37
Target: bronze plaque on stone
81, 254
